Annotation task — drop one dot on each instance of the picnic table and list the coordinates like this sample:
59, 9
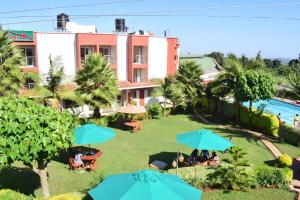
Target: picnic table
90, 161
134, 125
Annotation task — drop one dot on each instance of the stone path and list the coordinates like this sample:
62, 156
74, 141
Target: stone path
295, 184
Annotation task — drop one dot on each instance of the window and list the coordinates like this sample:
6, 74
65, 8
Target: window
140, 75
106, 53
138, 54
29, 56
29, 84
85, 52
134, 94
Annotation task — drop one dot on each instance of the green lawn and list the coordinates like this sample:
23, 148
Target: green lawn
129, 152
289, 149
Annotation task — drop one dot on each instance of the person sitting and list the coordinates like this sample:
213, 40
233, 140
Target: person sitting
204, 156
214, 160
194, 157
77, 159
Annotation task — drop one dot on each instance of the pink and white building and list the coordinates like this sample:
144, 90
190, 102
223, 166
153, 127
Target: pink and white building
136, 58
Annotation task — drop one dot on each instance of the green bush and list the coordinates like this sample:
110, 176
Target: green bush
116, 120
273, 177
12, 195
285, 160
103, 121
155, 111
265, 122
289, 134
67, 196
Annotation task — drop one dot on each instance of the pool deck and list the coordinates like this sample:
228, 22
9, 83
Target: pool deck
289, 101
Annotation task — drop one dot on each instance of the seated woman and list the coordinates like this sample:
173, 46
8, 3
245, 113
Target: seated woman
194, 157
77, 158
204, 156
214, 160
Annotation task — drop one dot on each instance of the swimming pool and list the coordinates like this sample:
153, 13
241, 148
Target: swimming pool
288, 111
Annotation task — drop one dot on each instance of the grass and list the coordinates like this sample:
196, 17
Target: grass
129, 152
289, 149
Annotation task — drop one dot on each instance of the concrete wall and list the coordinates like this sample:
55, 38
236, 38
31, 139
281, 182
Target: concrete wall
122, 57
157, 57
58, 45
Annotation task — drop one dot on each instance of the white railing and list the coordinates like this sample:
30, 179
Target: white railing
139, 59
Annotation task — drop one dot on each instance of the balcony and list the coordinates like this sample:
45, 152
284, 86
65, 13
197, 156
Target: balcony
110, 59
139, 79
139, 59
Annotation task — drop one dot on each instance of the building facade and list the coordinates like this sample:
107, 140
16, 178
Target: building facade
137, 58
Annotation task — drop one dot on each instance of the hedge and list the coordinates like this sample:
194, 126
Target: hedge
267, 123
289, 134
8, 194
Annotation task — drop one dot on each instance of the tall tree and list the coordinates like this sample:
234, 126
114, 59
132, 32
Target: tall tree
254, 85
11, 59
188, 74
218, 56
32, 134
55, 75
294, 80
97, 83
171, 90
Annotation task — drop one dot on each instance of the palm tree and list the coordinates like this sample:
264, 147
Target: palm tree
97, 83
294, 80
188, 74
226, 83
171, 90
11, 59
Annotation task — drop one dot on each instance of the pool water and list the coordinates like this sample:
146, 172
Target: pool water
287, 111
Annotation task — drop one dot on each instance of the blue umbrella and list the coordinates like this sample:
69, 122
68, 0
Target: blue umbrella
144, 185
93, 134
205, 140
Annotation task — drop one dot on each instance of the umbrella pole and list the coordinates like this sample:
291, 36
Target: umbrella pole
177, 162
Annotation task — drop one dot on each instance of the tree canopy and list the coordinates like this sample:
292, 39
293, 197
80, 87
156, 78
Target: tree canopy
97, 83
11, 59
32, 134
188, 74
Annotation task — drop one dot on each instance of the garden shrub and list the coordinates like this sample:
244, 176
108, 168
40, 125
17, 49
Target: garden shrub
273, 177
228, 178
67, 196
195, 176
116, 120
103, 121
265, 122
289, 134
285, 160
155, 111
8, 194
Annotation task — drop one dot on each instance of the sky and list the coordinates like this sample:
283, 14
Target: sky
203, 26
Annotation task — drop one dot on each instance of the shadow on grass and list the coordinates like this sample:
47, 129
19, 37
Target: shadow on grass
167, 157
23, 180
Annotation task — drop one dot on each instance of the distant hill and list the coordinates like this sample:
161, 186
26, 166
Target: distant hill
283, 60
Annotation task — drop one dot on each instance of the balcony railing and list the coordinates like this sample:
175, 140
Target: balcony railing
110, 59
138, 79
139, 59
